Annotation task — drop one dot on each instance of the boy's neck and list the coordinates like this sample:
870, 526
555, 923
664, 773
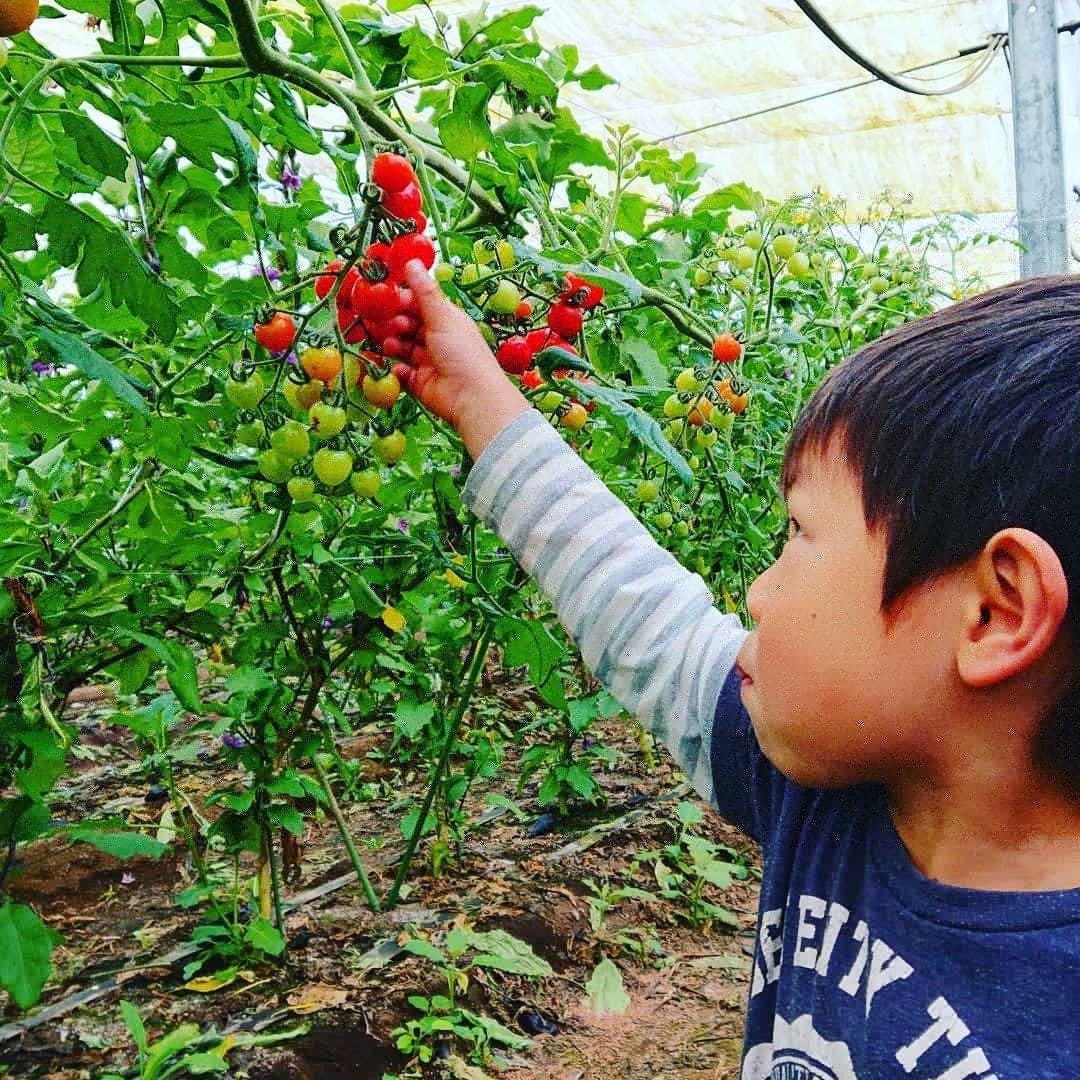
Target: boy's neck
1004, 828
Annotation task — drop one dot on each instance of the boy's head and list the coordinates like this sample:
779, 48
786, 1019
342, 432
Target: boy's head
958, 426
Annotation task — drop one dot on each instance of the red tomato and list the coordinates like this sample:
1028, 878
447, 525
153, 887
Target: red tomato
379, 329
564, 319
420, 221
392, 172
375, 299
531, 379
406, 248
726, 348
278, 334
403, 203
397, 348
378, 251
514, 355
523, 310
547, 339
404, 325
580, 292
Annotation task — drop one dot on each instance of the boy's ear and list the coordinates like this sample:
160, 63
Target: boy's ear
1015, 607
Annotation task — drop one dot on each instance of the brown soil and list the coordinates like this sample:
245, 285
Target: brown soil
120, 923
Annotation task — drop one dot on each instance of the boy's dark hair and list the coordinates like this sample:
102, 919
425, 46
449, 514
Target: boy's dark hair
958, 425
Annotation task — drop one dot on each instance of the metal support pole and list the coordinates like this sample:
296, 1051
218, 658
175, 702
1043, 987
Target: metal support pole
1040, 169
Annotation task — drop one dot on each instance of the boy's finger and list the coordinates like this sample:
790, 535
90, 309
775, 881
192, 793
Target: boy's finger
429, 297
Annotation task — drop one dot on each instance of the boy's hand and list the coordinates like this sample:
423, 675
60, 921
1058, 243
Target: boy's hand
452, 372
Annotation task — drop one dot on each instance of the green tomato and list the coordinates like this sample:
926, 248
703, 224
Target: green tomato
744, 258
332, 466
784, 245
483, 252
673, 431
550, 401
246, 394
366, 483
663, 520
688, 382
291, 440
505, 299
674, 407
724, 422
681, 529
702, 277
3, 52
799, 264
389, 448
251, 434
648, 491
504, 252
470, 273
879, 285
444, 272
753, 239
694, 462
705, 437
328, 420
301, 488
275, 467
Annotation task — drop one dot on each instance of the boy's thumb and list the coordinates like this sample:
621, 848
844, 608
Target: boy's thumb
429, 297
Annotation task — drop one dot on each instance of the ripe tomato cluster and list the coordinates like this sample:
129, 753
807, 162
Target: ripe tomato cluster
335, 395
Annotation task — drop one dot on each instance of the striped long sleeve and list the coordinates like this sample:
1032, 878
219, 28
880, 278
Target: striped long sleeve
645, 626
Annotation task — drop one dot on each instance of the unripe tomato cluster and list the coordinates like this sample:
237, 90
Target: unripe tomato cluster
334, 404
519, 328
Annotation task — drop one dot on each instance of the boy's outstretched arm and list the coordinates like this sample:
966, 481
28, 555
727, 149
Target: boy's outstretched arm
644, 625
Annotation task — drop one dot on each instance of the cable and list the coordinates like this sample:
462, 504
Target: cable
994, 46
910, 87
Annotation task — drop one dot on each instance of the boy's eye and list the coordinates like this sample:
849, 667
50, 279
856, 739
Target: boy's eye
793, 528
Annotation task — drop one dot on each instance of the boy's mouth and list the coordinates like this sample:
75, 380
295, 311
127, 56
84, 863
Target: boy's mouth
744, 678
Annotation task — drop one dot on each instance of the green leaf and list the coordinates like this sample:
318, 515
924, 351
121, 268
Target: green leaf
206, 1061
411, 717
121, 845
642, 426
26, 945
264, 935
100, 251
504, 952
133, 671
288, 817
419, 947
527, 642
646, 359
46, 464
180, 669
593, 79
466, 131
604, 990
70, 350
135, 1025
739, 196
93, 146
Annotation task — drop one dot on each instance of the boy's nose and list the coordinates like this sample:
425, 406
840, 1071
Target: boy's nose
754, 595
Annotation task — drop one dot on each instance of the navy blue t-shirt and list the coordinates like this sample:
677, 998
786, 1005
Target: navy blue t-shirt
866, 968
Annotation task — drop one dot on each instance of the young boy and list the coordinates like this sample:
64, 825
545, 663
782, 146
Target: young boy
901, 731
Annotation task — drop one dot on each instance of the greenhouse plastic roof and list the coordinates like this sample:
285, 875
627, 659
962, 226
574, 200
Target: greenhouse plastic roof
689, 74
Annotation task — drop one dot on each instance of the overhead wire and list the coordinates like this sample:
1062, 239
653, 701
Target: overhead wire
909, 86
991, 47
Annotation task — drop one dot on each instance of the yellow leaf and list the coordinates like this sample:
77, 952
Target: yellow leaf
729, 602
453, 580
458, 560
207, 984
393, 619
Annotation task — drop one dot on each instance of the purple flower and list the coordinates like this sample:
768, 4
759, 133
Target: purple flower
327, 623
454, 470
233, 742
290, 181
39, 367
403, 526
272, 273
127, 878
293, 359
